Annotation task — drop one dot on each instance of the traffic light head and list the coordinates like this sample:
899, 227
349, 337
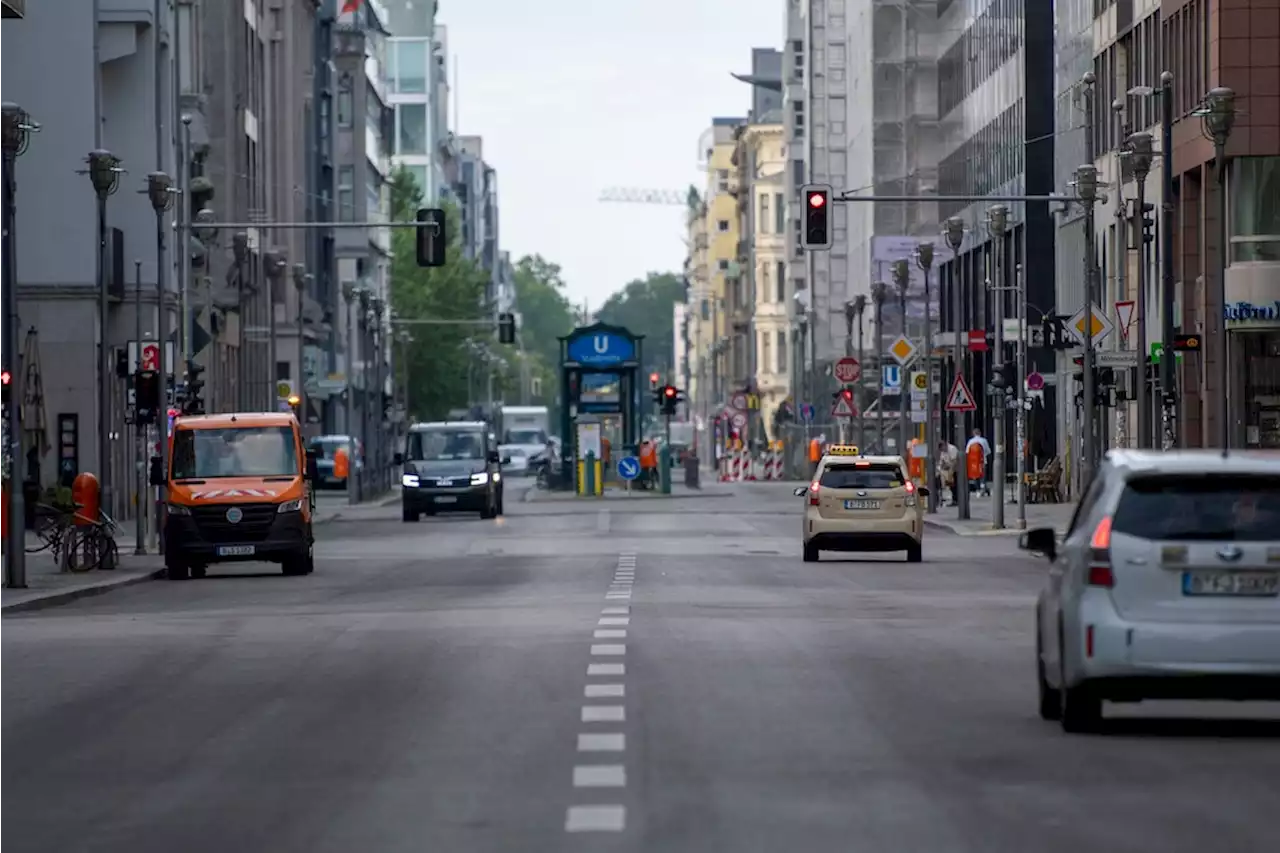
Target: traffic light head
816, 233
146, 396
194, 402
431, 237
7, 378
506, 328
669, 392
653, 379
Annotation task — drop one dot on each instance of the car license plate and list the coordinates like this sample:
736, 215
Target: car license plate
1258, 584
446, 500
236, 550
862, 504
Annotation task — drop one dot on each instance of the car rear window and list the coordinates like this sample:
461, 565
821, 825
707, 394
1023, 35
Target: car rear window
1240, 508
877, 475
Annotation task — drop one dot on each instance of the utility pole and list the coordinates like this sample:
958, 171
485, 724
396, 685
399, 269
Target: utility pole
902, 279
1087, 190
997, 223
860, 310
1123, 428
924, 257
1169, 414
879, 291
953, 230
139, 428
184, 243
1140, 154
1020, 418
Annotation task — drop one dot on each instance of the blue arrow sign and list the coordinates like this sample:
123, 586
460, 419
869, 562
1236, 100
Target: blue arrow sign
628, 467
806, 412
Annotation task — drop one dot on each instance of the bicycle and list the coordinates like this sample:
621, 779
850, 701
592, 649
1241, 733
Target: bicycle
90, 544
50, 527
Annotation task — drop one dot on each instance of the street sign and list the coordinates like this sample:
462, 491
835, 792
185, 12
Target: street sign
738, 401
961, 398
284, 390
150, 356
1035, 382
843, 408
891, 379
1122, 358
1124, 316
847, 370
977, 340
739, 420
919, 385
902, 350
1101, 325
628, 467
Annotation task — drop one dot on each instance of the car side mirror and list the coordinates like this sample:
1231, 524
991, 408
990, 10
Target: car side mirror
397, 459
494, 458
799, 491
156, 472
313, 465
506, 460
1041, 540
924, 491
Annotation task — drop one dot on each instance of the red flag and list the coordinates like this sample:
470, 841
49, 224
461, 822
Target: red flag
349, 6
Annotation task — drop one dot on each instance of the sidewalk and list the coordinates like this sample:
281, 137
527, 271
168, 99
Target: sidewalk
49, 587
1057, 516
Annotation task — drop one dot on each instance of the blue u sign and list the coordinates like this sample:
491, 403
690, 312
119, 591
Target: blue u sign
601, 349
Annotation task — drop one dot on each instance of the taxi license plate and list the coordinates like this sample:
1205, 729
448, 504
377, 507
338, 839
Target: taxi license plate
446, 500
862, 504
236, 550
1243, 584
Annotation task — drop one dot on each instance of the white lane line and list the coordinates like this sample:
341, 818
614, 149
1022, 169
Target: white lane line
615, 596
601, 691
602, 743
600, 776
610, 634
614, 620
607, 669
608, 649
615, 611
603, 713
596, 819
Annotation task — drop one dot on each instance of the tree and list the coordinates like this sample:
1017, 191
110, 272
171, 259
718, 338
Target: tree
545, 317
440, 358
647, 307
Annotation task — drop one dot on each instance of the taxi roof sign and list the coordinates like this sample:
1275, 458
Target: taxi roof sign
843, 450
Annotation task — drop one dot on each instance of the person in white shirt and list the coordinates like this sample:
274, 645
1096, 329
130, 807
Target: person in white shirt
978, 439
948, 464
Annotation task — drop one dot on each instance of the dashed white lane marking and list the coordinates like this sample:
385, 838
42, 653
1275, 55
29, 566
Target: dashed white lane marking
606, 669
616, 611
603, 713
603, 649
600, 776
614, 596
614, 620
602, 743
596, 819
611, 634
601, 691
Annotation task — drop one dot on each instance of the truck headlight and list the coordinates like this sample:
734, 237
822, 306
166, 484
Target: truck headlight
409, 481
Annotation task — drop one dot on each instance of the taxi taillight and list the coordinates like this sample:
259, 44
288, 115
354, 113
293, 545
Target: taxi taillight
1100, 573
814, 489
911, 493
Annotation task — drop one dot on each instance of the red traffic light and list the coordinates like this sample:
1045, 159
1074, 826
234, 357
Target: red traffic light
669, 391
5, 377
653, 378
846, 393
817, 199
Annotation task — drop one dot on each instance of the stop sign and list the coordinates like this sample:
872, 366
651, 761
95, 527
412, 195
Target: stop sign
848, 370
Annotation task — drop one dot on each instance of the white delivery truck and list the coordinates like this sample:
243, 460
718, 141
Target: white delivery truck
525, 432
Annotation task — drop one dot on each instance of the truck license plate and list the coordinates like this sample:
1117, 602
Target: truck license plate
1260, 584
236, 550
862, 504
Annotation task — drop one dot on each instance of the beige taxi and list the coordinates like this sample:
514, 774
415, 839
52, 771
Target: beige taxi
862, 503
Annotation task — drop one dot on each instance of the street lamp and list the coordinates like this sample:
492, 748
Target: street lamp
18, 128
160, 193
1140, 152
902, 279
953, 231
997, 226
300, 277
879, 292
1217, 117
103, 169
853, 312
275, 262
924, 258
1086, 186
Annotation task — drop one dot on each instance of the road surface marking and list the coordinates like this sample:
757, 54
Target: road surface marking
607, 669
613, 596
615, 611
602, 649
603, 713
600, 776
611, 634
615, 620
602, 743
596, 819
600, 691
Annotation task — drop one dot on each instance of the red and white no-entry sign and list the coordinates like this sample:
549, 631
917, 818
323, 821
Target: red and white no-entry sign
847, 369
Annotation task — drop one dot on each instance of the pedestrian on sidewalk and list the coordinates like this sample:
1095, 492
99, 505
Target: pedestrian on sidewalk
948, 465
977, 438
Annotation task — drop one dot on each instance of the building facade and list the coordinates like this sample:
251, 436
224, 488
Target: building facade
727, 362
416, 62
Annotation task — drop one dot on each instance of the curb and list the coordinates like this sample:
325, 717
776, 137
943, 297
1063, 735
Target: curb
55, 599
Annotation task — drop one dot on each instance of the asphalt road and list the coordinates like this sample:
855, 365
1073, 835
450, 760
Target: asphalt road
651, 675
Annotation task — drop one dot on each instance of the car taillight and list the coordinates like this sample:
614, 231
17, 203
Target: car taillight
911, 493
814, 488
1100, 573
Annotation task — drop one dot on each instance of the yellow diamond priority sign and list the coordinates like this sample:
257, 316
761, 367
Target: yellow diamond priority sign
902, 350
1102, 326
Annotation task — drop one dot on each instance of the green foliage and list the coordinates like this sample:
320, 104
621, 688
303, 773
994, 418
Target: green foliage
646, 307
438, 357
545, 316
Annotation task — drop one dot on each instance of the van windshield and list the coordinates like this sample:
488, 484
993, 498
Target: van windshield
445, 443
239, 452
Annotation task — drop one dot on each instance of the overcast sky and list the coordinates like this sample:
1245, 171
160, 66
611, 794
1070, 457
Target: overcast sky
576, 96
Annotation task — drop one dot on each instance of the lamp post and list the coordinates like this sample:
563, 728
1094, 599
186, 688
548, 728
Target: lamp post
240, 253
161, 194
275, 264
1087, 191
206, 235
997, 225
902, 280
853, 312
953, 230
104, 173
18, 128
924, 258
349, 295
362, 325
879, 291
300, 277
376, 307
1169, 408
1140, 159
1217, 117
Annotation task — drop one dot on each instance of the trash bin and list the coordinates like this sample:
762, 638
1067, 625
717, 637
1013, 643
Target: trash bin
691, 472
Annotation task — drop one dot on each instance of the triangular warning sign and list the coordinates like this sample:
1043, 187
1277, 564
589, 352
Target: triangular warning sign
1124, 317
843, 409
960, 399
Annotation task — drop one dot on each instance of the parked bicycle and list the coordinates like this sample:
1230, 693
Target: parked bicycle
78, 543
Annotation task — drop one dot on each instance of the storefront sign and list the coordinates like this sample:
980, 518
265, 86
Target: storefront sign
1246, 312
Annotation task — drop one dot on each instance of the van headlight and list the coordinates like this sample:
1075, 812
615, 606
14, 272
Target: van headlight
409, 481
291, 506
179, 509
480, 479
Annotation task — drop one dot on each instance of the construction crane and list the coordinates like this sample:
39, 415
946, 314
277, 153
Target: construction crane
631, 195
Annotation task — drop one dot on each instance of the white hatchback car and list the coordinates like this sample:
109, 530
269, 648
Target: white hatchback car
1167, 585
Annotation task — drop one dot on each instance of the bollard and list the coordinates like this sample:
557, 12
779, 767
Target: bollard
664, 469
590, 474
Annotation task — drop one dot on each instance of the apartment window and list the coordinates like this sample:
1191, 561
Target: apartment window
781, 279
283, 374
766, 352
722, 180
411, 133
764, 213
762, 291
411, 67
722, 226
779, 215
373, 192
782, 352
797, 175
723, 265
346, 102
347, 193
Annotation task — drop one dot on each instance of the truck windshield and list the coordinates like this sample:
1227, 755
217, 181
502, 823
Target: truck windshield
525, 436
239, 452
434, 445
